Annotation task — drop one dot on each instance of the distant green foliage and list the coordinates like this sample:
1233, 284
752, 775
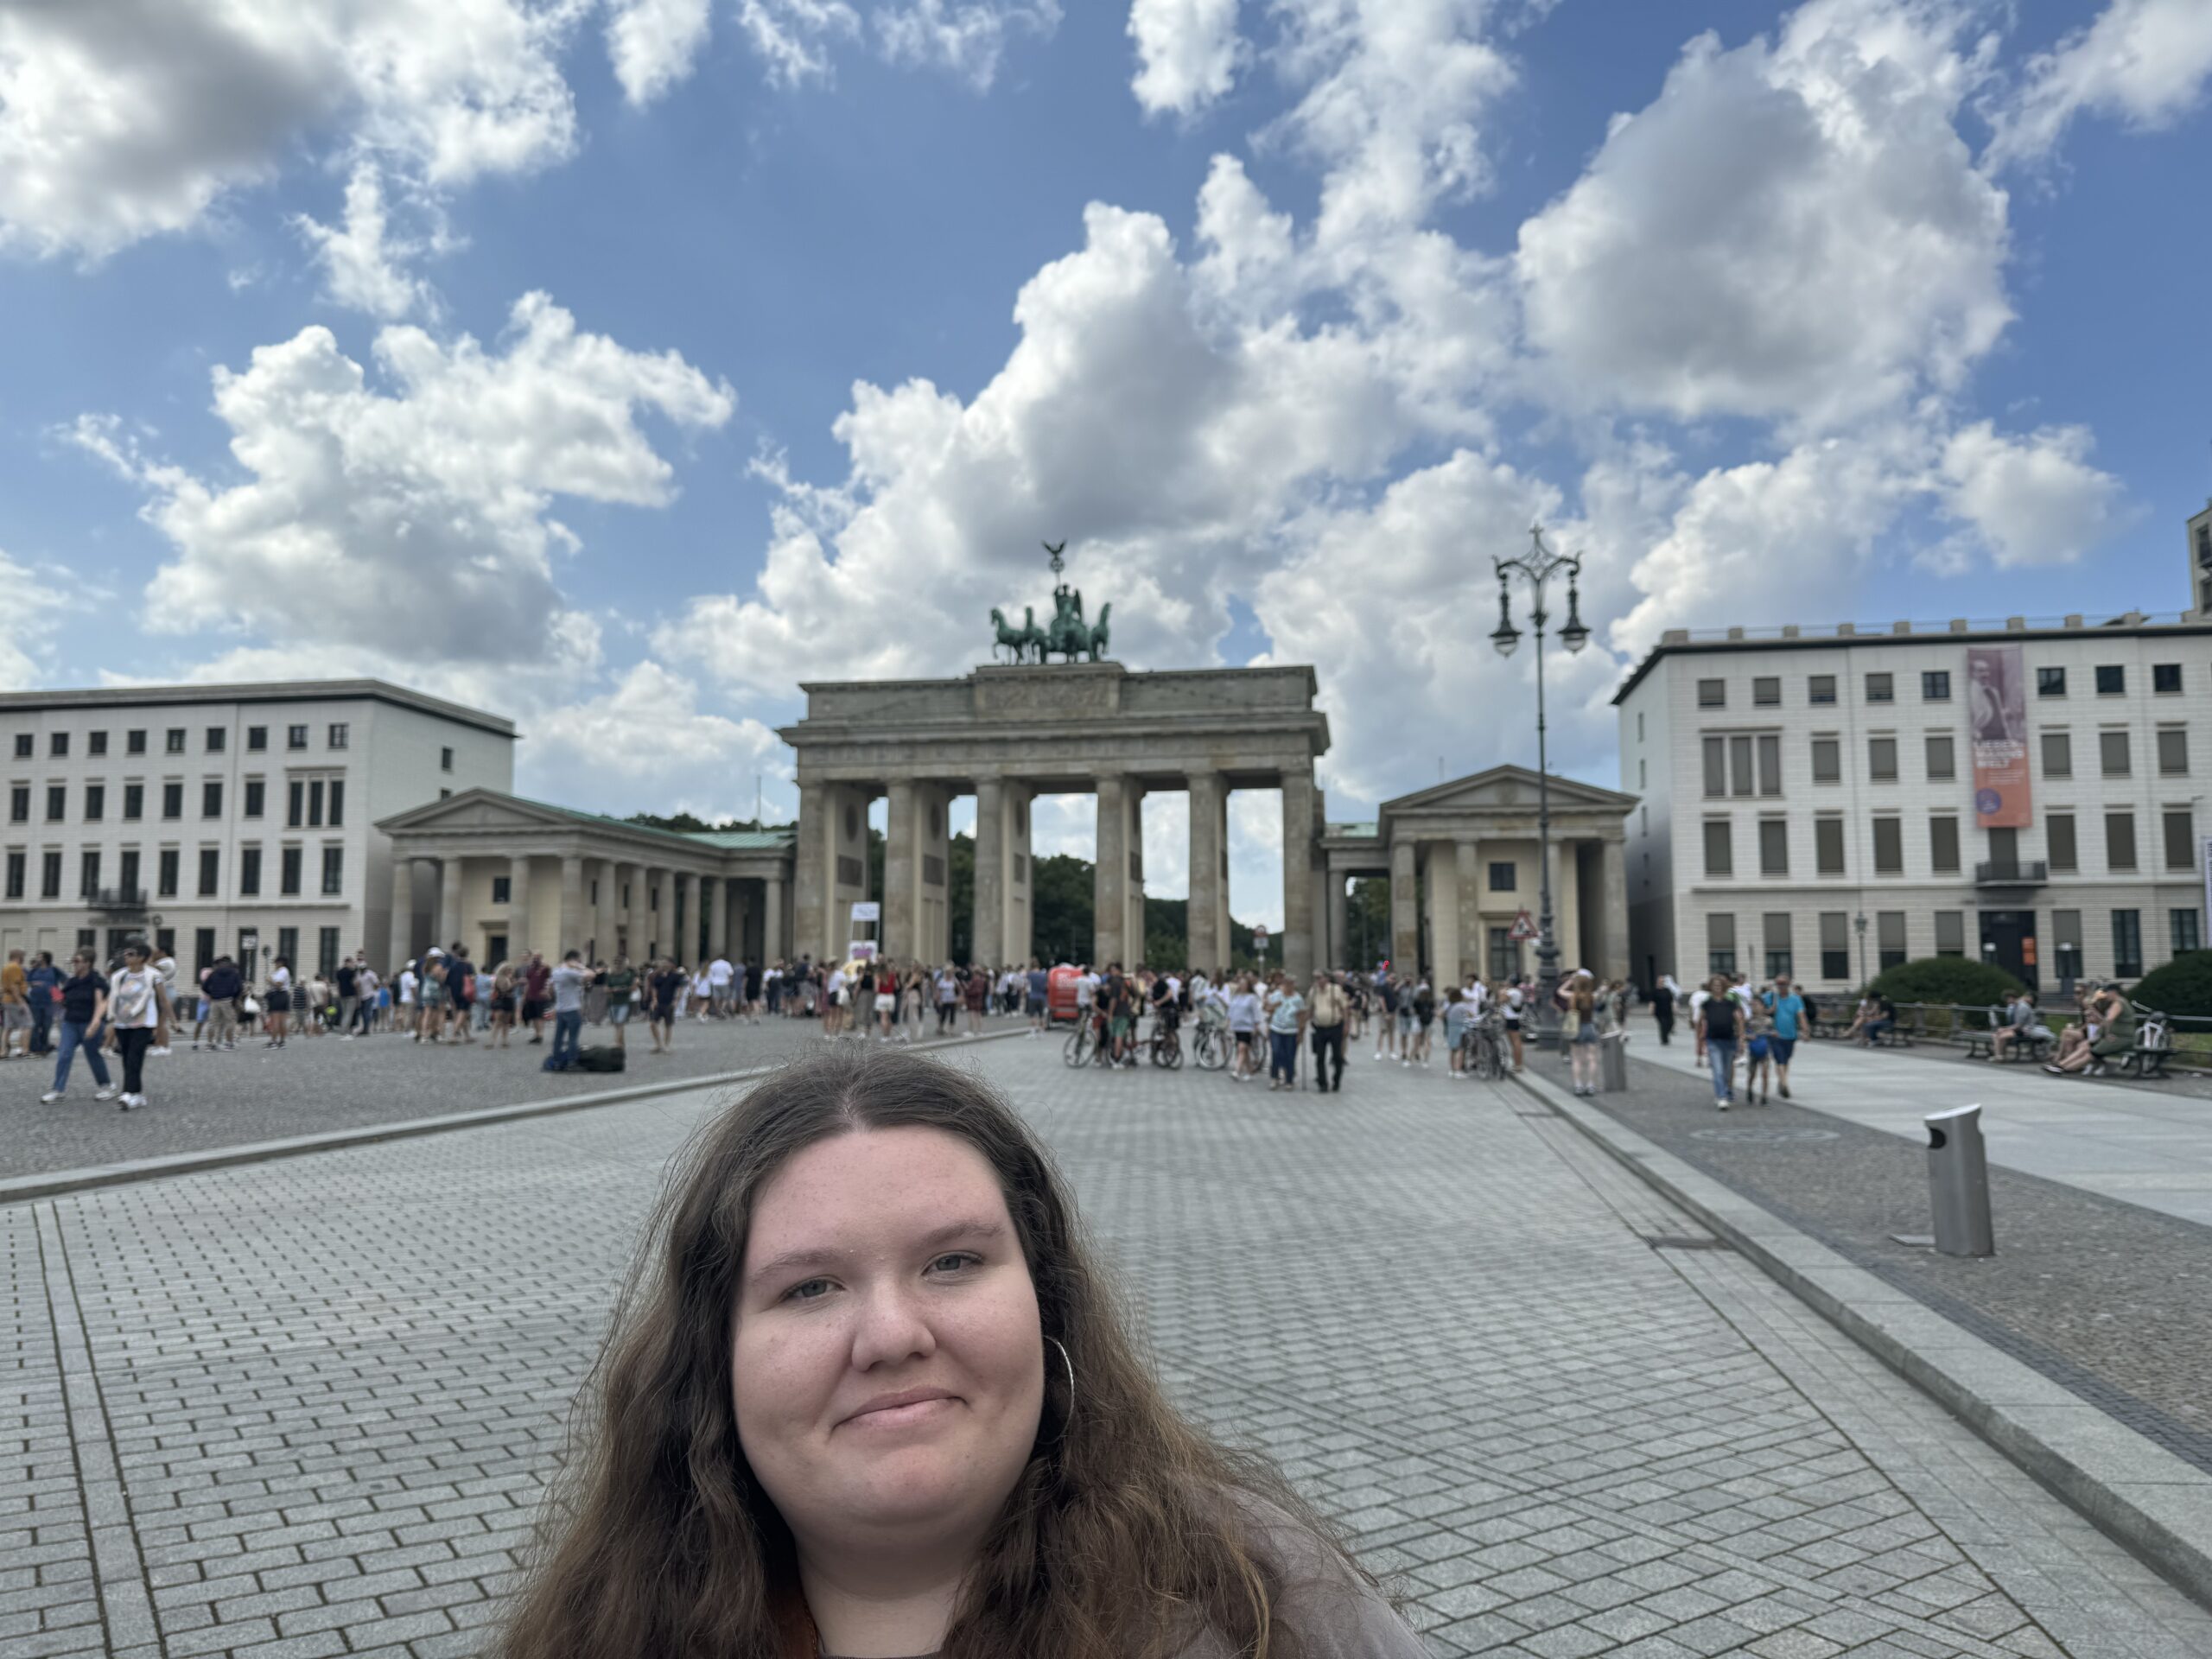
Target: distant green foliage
2183, 986
1947, 979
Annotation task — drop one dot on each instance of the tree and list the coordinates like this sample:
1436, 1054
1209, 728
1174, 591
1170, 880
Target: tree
1956, 981
1367, 921
2183, 986
1061, 911
689, 823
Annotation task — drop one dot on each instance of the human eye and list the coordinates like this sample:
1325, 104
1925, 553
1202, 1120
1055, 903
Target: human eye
960, 1258
807, 1290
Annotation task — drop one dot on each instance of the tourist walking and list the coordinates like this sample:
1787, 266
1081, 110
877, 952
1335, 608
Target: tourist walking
222, 988
44, 981
84, 1012
1663, 1007
1718, 1021
666, 988
1578, 1031
277, 1002
138, 1007
15, 1008
568, 985
621, 991
1286, 1030
1786, 1010
1328, 1011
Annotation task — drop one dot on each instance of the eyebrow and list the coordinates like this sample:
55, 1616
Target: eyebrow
776, 1265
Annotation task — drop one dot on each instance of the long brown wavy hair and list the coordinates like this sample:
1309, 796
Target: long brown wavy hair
1124, 1534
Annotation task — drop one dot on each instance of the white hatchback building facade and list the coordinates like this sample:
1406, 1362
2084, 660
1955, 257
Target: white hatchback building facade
1817, 800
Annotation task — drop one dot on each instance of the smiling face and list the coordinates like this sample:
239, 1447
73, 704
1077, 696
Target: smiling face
884, 1264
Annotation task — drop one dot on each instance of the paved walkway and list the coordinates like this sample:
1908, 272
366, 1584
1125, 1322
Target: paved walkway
305, 1408
2148, 1143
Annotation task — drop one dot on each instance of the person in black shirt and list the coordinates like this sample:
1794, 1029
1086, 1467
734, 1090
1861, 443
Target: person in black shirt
460, 992
666, 985
84, 1008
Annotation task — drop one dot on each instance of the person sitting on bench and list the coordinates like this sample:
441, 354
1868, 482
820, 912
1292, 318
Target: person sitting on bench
1884, 1022
2021, 1025
2109, 1019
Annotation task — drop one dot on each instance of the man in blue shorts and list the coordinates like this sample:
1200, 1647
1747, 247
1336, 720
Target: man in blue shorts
1787, 1011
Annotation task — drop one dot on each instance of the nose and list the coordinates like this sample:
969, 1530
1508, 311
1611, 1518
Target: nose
892, 1327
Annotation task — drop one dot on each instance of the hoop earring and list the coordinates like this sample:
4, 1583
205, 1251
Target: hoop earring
1070, 1363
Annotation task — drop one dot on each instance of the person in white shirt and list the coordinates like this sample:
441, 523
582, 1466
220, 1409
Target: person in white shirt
719, 977
138, 1006
1698, 1000
833, 1015
165, 965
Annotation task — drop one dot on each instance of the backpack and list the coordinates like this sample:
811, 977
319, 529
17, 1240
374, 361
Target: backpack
1721, 1019
602, 1059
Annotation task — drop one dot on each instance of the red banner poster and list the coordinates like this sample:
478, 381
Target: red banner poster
1996, 708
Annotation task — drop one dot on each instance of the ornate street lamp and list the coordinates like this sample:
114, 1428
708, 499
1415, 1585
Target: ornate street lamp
1539, 565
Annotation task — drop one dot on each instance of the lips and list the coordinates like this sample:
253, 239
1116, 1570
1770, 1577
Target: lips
908, 1406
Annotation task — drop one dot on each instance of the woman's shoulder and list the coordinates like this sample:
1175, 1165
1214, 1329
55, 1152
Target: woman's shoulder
1334, 1612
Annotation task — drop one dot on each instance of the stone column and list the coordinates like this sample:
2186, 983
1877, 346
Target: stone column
817, 850
1405, 913
610, 900
1207, 929
713, 893
1340, 923
1298, 875
518, 905
772, 919
1617, 964
1443, 891
402, 917
450, 870
902, 875
1471, 910
652, 898
684, 917
988, 931
572, 907
1020, 877
630, 896
1111, 884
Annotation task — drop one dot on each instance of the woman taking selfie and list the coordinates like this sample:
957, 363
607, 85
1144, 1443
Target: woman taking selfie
869, 1395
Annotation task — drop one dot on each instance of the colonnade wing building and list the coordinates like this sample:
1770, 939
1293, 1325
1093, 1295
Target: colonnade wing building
1834, 801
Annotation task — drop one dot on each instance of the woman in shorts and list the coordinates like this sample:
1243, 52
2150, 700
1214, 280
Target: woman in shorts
621, 987
886, 1002
278, 1004
434, 1000
1244, 1028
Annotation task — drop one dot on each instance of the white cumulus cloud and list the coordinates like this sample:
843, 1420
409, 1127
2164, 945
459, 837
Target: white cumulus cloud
2033, 500
363, 264
2143, 61
1187, 53
652, 43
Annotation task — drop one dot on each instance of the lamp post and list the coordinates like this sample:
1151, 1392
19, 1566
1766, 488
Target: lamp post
1539, 565
1859, 922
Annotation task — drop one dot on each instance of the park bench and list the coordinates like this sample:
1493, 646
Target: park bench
1982, 1045
2154, 1045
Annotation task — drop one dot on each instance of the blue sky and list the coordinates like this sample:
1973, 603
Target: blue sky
619, 363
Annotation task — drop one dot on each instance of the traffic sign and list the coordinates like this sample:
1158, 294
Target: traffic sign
1524, 927
1259, 938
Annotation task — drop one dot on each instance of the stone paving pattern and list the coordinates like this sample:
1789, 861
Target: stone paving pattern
313, 1085
305, 1408
2106, 1298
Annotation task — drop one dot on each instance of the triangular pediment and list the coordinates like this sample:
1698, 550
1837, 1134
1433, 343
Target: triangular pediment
1506, 789
478, 809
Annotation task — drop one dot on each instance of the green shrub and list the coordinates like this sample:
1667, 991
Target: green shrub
2183, 986
1960, 979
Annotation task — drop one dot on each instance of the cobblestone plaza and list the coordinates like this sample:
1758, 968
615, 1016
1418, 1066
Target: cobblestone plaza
306, 1408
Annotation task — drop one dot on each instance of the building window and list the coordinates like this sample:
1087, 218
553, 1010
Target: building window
1942, 757
2111, 755
445, 760
1950, 933
256, 794
165, 881
1820, 689
2180, 827
88, 871
57, 744
1889, 940
333, 871
2173, 751
134, 802
1643, 777
2119, 841
1936, 686
2050, 681
57, 803
1766, 692
502, 890
173, 741
96, 743
1882, 759
1743, 763
296, 803
210, 864
1889, 846
2166, 681
315, 802
1943, 844
127, 877
2180, 931
49, 873
1716, 767
2058, 836
217, 736
1770, 749
1719, 855
19, 803
16, 863
325, 951
1773, 846
1776, 926
1712, 694
1881, 687
338, 734
287, 945
1836, 944
337, 803
1721, 944
248, 871
2112, 681
1828, 846
256, 738
2057, 754
1503, 877
211, 798
172, 800
287, 871
295, 737
203, 948
134, 742
95, 802
2127, 944
23, 742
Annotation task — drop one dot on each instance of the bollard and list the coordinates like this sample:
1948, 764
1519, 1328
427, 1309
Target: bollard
1958, 1180
1612, 1062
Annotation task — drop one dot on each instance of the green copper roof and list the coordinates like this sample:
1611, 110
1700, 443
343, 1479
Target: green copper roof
728, 841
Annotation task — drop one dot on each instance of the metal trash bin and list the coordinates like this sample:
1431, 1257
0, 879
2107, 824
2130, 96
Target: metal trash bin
1958, 1181
1612, 1062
